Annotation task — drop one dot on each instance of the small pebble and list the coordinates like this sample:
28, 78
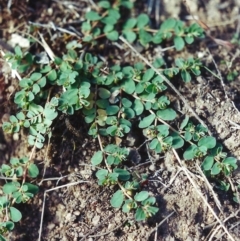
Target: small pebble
95, 220
68, 217
77, 212
152, 167
51, 226
16, 136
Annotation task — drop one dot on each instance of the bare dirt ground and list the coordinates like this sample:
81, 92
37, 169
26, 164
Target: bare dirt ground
81, 211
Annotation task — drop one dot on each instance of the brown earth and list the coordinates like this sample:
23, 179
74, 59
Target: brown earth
76, 208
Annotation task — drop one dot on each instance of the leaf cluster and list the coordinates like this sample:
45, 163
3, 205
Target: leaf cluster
110, 100
130, 196
215, 161
106, 21
16, 191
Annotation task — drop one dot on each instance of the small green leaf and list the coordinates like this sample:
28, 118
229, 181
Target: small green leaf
112, 109
123, 175
52, 75
126, 4
129, 35
8, 225
177, 141
20, 116
179, 43
138, 107
87, 38
97, 158
168, 24
15, 214
216, 169
149, 200
113, 35
186, 77
208, 163
31, 188
127, 206
128, 85
140, 215
141, 196
167, 114
101, 174
93, 16
117, 199
35, 76
209, 142
33, 170
11, 187
147, 121
189, 39
4, 201
142, 20
18, 51
104, 93
144, 37
231, 161
126, 103
130, 23
184, 122
148, 75
104, 4
190, 153
13, 119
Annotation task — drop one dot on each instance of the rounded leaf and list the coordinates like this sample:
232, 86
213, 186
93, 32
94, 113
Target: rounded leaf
101, 174
178, 43
130, 23
140, 215
177, 141
142, 20
207, 163
138, 107
216, 169
97, 158
93, 16
231, 161
185, 76
113, 35
167, 114
31, 188
15, 214
189, 154
209, 142
147, 121
129, 35
148, 75
141, 196
104, 93
117, 199
33, 170
8, 225
123, 175
52, 75
126, 103
35, 76
11, 187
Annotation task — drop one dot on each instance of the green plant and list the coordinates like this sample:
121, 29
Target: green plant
215, 160
16, 190
110, 100
129, 196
